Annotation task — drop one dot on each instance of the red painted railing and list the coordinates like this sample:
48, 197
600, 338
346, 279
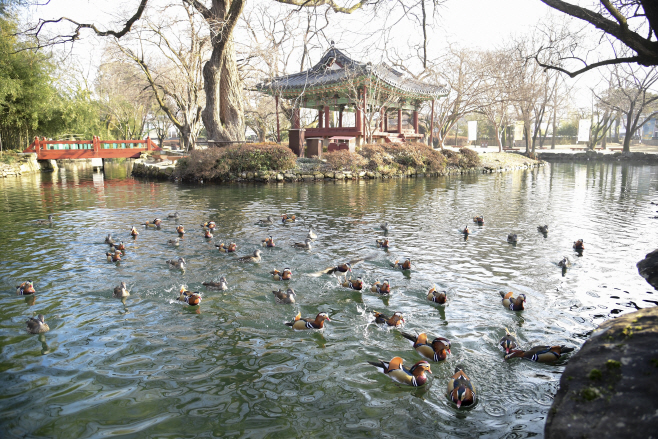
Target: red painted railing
86, 149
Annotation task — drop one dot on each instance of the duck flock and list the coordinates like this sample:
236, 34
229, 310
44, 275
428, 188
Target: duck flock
460, 390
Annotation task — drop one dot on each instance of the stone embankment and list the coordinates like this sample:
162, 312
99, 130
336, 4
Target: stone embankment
25, 164
635, 157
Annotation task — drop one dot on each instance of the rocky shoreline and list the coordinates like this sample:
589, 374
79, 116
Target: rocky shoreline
647, 158
25, 164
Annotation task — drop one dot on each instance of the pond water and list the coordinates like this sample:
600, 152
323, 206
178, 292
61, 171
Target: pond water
150, 367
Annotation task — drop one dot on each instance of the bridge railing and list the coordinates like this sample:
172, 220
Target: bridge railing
96, 144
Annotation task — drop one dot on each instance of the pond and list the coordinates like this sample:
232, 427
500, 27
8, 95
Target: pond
151, 367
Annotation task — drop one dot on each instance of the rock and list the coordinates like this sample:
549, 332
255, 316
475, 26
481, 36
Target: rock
348, 175
339, 176
250, 175
608, 389
279, 177
362, 174
648, 268
307, 177
370, 174
329, 175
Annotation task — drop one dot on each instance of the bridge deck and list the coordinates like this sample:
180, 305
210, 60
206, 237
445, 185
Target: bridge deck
87, 149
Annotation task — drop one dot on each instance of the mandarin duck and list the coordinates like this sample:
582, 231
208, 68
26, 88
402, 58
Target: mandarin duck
395, 320
512, 238
512, 303
465, 231
306, 245
37, 325
287, 296
565, 262
134, 232
252, 258
440, 297
341, 268
286, 274
25, 289
174, 242
109, 240
412, 377
268, 242
221, 285
479, 220
266, 222
120, 246
540, 354
311, 234
120, 291
192, 298
542, 229
209, 225
300, 324
174, 215
176, 263
180, 229
460, 389
384, 226
438, 350
508, 342
381, 287
579, 245
355, 284
48, 221
382, 243
285, 219
207, 234
406, 265
155, 223
113, 256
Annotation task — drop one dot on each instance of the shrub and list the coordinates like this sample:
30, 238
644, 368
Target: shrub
219, 163
9, 157
344, 160
377, 159
450, 140
470, 158
392, 156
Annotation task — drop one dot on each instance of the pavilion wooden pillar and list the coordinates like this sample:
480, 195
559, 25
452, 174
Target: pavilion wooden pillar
386, 119
357, 121
416, 121
400, 120
326, 116
365, 109
340, 116
381, 119
432, 126
320, 119
278, 127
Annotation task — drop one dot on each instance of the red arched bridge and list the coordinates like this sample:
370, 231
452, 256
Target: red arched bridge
90, 149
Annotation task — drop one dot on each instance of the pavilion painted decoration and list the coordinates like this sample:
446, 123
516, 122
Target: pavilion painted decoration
376, 93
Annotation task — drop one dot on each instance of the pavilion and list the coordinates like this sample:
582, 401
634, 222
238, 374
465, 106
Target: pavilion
384, 103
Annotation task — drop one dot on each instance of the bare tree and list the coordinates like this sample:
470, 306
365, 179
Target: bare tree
494, 101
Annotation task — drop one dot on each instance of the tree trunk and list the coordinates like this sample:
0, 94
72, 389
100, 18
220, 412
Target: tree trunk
629, 129
554, 129
498, 136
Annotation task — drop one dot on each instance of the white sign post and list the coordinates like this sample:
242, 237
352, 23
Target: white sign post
584, 126
472, 130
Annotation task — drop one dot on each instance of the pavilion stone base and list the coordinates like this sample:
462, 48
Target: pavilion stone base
296, 141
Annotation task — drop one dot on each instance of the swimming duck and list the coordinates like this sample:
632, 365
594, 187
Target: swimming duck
286, 274
395, 320
300, 324
192, 298
287, 296
209, 225
509, 301
355, 284
155, 223
113, 256
479, 220
512, 238
174, 215
134, 232
268, 242
221, 285
306, 245
109, 240
465, 231
440, 297
438, 350
45, 221
288, 219
311, 234
25, 289
384, 226
579, 245
382, 243
406, 265
180, 229
265, 222
540, 354
412, 377
232, 247
37, 325
381, 287
542, 229
207, 234
174, 242
177, 263
508, 342
120, 291
253, 258
564, 263
120, 246
460, 389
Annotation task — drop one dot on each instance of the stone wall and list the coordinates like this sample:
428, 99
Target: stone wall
586, 156
26, 164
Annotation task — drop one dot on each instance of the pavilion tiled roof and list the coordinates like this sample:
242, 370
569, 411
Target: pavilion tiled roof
324, 74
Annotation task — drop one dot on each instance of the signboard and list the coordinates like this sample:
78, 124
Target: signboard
472, 130
584, 126
648, 129
518, 130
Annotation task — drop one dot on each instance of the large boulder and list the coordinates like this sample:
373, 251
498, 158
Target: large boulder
609, 389
648, 268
